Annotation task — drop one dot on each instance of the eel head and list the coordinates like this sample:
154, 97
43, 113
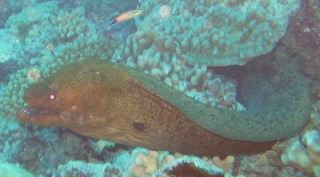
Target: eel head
45, 108
72, 97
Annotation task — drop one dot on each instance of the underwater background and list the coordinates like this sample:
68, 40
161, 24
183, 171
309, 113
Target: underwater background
235, 55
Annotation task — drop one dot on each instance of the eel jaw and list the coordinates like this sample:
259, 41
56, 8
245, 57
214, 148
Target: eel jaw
42, 117
37, 112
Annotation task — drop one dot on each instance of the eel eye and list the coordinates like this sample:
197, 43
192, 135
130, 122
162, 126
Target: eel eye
52, 97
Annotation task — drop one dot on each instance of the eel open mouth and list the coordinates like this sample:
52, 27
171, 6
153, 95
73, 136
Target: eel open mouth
36, 112
38, 116
45, 117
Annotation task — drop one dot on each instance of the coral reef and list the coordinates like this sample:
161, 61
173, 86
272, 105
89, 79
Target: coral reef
70, 24
6, 69
40, 40
303, 37
29, 150
168, 45
39, 37
267, 164
21, 23
164, 49
80, 168
12, 93
305, 154
277, 75
209, 32
36, 43
34, 75
137, 105
10, 7
10, 170
8, 45
196, 81
150, 163
141, 162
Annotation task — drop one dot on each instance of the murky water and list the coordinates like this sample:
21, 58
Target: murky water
218, 88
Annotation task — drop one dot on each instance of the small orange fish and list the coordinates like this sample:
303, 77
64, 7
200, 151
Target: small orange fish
125, 16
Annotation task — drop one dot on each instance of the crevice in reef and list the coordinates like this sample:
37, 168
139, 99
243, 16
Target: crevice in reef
256, 80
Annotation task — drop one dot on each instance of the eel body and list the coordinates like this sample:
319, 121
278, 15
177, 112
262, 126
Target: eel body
103, 100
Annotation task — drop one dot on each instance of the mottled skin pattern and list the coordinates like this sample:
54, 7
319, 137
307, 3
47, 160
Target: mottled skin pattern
108, 101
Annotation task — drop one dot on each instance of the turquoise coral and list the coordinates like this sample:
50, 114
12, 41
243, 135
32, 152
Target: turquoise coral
37, 38
152, 43
305, 154
21, 23
209, 32
139, 163
70, 24
10, 170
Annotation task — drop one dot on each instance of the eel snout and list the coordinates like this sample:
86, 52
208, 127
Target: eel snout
39, 116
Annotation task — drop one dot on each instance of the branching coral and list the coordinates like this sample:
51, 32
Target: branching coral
305, 155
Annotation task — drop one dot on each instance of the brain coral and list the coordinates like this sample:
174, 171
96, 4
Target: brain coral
211, 32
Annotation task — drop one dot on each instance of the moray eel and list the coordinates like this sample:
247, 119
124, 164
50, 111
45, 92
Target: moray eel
103, 100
